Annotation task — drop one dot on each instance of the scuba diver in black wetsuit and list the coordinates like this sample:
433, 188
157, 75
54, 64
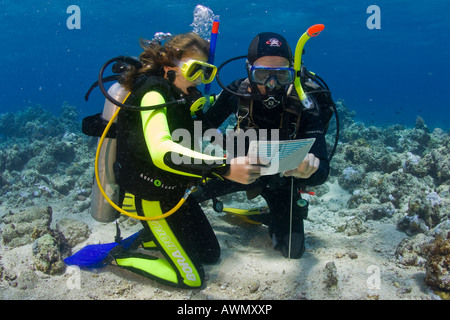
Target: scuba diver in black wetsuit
266, 100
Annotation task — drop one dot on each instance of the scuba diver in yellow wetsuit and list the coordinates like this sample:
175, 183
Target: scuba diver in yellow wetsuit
148, 170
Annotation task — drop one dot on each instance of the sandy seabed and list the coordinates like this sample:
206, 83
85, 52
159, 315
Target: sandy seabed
249, 268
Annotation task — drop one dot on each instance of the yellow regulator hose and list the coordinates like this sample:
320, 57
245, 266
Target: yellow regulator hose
162, 216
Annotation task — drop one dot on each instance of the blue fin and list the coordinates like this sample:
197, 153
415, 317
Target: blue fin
95, 255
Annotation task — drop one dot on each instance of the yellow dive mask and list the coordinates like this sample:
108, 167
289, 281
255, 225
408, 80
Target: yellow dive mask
192, 69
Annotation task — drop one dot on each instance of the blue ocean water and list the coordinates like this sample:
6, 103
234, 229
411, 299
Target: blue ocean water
387, 75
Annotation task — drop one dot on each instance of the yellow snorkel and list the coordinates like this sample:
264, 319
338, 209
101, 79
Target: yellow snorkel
131, 215
313, 31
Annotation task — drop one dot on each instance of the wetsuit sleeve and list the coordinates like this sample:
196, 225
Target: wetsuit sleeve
169, 155
311, 126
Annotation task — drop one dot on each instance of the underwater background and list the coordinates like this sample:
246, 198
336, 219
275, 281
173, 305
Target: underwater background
388, 75
383, 210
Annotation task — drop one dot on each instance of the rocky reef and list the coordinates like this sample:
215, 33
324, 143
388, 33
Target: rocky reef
394, 175
401, 175
43, 158
438, 264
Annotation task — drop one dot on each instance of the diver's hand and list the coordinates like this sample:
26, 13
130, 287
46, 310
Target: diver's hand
242, 171
306, 169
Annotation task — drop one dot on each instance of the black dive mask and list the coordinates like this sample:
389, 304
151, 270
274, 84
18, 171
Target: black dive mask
271, 99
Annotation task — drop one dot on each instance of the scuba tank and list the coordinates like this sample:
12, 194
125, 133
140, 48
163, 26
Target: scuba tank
106, 192
101, 210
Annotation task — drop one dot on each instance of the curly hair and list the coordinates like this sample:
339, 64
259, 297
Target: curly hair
156, 56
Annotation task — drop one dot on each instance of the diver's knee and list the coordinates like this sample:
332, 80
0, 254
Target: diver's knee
211, 255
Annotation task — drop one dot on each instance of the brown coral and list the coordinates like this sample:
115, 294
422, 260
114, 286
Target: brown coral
438, 264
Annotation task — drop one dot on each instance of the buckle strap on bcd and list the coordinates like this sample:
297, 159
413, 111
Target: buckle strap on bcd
95, 125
